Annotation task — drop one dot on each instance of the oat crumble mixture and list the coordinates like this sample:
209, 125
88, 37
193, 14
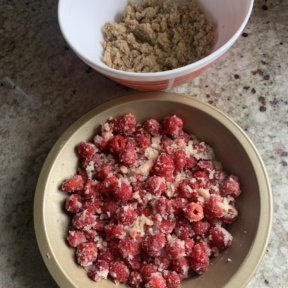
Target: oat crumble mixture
157, 35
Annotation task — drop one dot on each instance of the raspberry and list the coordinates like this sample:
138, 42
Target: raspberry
189, 244
84, 219
194, 212
119, 271
183, 229
162, 262
109, 184
86, 253
93, 205
230, 215
180, 265
129, 248
202, 179
135, 279
99, 270
176, 248
166, 226
180, 160
200, 228
152, 126
213, 208
156, 185
99, 225
73, 184
125, 125
230, 186
179, 204
172, 279
75, 238
123, 192
113, 248
101, 142
128, 156
109, 207
105, 170
167, 145
86, 150
146, 270
206, 165
143, 141
164, 166
156, 281
91, 189
220, 237
127, 214
173, 125
115, 231
163, 207
117, 144
198, 259
90, 235
191, 162
134, 263
106, 256
74, 203
185, 190
153, 244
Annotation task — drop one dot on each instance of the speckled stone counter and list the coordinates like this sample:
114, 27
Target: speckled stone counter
45, 88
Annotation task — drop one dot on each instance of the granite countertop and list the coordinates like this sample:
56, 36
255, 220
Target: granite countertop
44, 88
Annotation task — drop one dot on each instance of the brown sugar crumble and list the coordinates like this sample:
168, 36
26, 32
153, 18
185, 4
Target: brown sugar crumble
157, 35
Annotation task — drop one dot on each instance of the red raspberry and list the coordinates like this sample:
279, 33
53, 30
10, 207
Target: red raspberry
191, 162
206, 165
125, 125
189, 244
109, 184
99, 225
123, 192
164, 166
163, 207
93, 205
75, 238
167, 145
74, 203
128, 156
143, 141
185, 190
172, 279
183, 229
105, 170
134, 263
176, 248
127, 214
90, 235
86, 150
115, 231
153, 244
213, 208
180, 265
109, 207
112, 246
178, 205
202, 179
101, 142
117, 144
198, 259
194, 212
162, 262
218, 176
230, 186
146, 271
152, 126
173, 125
99, 271
86, 253
230, 215
144, 210
135, 279
119, 271
185, 137
220, 237
92, 189
73, 184
106, 256
84, 219
180, 160
166, 226
156, 281
129, 248
200, 228
156, 185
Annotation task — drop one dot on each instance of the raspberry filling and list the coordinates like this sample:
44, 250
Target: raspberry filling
150, 204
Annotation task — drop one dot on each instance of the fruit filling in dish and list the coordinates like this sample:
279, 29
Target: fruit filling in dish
149, 205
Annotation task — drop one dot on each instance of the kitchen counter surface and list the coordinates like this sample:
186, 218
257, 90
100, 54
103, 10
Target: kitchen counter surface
44, 88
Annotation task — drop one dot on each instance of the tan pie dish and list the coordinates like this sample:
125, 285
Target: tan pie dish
232, 147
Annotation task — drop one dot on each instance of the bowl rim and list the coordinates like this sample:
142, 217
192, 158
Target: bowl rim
258, 247
169, 73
